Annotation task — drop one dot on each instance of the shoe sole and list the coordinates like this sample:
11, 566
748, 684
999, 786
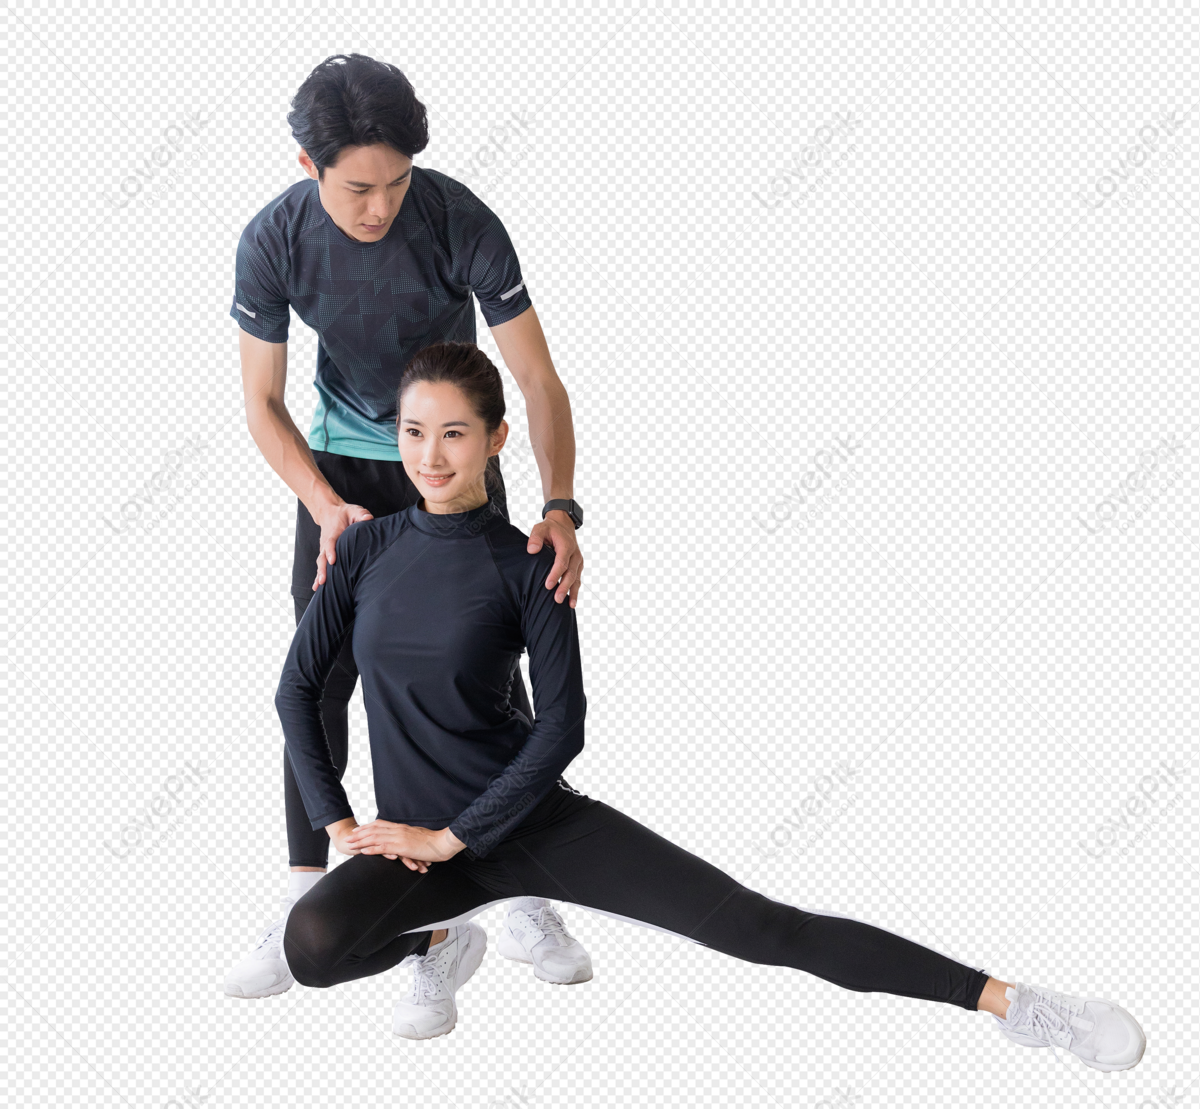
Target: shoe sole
471, 963
509, 949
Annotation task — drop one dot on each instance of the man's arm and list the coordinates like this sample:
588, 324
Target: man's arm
523, 347
264, 376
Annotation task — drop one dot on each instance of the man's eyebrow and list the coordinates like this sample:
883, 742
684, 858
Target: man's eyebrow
448, 423
367, 184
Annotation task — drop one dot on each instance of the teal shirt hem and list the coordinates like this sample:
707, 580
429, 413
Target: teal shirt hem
351, 448
341, 428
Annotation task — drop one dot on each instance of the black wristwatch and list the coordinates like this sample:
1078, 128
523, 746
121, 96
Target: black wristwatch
572, 508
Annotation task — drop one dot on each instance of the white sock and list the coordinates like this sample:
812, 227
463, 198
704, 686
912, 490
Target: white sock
301, 881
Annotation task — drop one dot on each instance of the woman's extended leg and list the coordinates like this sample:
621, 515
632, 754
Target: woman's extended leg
602, 859
354, 922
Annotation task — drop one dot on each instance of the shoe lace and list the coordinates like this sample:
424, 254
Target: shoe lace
1046, 1014
426, 979
429, 979
270, 939
550, 922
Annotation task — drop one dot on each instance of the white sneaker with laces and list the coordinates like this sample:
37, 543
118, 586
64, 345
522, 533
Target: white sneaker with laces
1103, 1035
429, 1009
263, 972
534, 933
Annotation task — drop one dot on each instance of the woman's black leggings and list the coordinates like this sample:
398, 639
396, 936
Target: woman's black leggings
370, 912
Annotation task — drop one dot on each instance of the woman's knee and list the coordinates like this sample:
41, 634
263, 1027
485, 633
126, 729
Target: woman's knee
760, 929
312, 947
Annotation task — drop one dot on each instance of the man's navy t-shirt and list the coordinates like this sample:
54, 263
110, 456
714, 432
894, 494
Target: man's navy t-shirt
374, 305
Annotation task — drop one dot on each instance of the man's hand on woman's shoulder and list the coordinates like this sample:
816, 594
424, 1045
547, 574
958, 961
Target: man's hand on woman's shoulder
333, 522
558, 529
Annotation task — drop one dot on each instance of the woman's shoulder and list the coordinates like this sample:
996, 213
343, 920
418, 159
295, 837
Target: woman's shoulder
366, 536
509, 546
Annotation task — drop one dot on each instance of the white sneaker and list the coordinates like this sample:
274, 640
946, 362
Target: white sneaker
429, 1009
1102, 1034
539, 936
263, 972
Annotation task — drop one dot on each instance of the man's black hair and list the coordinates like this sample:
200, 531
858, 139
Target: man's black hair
353, 100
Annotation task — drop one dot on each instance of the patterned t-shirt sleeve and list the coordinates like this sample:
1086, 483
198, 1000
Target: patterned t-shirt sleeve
495, 274
260, 304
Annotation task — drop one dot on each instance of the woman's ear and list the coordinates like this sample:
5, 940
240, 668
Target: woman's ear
499, 438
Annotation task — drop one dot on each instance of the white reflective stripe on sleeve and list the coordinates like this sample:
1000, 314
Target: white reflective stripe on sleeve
252, 315
513, 291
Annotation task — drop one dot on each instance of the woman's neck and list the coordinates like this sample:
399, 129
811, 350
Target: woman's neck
460, 504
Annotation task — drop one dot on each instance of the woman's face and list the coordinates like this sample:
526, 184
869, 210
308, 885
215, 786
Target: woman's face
445, 447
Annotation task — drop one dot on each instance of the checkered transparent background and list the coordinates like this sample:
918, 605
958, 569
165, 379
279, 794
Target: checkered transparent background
962, 239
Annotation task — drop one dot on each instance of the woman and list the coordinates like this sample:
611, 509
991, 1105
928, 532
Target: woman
473, 809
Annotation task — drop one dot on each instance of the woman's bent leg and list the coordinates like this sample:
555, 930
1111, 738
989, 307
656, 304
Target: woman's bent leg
602, 859
354, 922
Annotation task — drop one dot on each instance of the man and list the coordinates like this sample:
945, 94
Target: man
381, 258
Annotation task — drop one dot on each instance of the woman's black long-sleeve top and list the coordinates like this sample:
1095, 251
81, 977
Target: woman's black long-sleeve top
440, 607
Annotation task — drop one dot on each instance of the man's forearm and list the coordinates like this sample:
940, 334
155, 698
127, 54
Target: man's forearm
286, 451
553, 439
547, 407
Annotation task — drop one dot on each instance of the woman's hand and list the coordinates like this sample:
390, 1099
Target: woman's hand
416, 846
340, 834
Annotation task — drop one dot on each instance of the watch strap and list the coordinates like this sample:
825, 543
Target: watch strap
571, 507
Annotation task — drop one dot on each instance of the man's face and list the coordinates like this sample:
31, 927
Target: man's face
363, 192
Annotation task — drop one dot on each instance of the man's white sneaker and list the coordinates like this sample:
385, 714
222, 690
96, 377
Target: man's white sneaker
263, 972
429, 1009
534, 933
1102, 1034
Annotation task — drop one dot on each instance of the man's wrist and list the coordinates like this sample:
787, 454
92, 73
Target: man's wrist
568, 506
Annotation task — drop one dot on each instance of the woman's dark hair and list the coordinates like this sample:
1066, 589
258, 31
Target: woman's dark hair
464, 365
353, 100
